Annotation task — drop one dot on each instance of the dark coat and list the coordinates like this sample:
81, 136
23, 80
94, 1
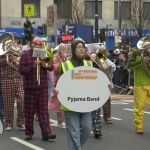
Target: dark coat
30, 74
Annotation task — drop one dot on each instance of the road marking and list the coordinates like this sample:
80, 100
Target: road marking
118, 102
113, 118
133, 110
54, 123
26, 143
128, 101
116, 118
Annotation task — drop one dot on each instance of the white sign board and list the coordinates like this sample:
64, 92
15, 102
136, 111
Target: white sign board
1, 128
83, 89
118, 39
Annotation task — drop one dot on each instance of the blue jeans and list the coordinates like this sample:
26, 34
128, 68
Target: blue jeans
78, 128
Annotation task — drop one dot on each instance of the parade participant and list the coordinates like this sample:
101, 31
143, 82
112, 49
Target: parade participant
111, 67
96, 119
35, 95
141, 83
107, 105
45, 46
54, 104
78, 125
16, 40
1, 102
12, 89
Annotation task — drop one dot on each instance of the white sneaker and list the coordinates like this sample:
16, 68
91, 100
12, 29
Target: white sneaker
22, 127
131, 87
8, 128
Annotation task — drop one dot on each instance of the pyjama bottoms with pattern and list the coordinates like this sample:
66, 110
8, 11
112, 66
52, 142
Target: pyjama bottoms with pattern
12, 90
36, 99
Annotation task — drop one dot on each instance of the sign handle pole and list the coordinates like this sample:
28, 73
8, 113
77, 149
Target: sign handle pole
28, 42
56, 41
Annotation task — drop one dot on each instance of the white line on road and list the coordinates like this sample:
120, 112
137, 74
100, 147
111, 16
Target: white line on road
54, 123
128, 101
26, 143
113, 118
118, 102
116, 118
133, 110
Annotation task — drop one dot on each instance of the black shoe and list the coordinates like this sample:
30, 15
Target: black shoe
28, 137
49, 136
98, 135
108, 121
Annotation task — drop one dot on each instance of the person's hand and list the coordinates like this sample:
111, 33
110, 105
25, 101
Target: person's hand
36, 62
118, 66
146, 59
56, 91
110, 86
110, 68
11, 57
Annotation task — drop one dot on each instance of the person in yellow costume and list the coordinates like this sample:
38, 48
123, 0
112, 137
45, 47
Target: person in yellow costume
141, 84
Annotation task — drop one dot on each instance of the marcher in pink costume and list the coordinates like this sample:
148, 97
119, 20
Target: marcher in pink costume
54, 104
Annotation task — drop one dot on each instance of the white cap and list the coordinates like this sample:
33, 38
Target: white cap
117, 50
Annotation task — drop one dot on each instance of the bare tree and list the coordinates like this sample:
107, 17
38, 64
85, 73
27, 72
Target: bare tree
71, 12
139, 17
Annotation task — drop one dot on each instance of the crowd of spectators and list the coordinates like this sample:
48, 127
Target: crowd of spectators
122, 77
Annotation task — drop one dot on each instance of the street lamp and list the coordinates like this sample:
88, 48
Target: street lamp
107, 35
119, 20
96, 21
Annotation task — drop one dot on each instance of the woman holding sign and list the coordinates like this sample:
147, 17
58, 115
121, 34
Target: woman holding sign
78, 125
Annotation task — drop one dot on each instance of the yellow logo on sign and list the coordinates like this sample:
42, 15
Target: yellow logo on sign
28, 10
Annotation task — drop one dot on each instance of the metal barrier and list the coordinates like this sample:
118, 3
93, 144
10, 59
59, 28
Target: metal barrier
121, 80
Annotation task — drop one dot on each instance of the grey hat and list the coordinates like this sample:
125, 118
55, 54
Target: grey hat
15, 35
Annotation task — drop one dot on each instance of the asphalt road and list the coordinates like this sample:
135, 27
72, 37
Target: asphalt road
117, 136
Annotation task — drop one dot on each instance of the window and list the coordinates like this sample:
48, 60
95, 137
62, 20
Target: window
90, 9
146, 12
125, 10
64, 9
36, 4
125, 41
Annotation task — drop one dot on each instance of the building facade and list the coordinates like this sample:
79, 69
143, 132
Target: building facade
12, 14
